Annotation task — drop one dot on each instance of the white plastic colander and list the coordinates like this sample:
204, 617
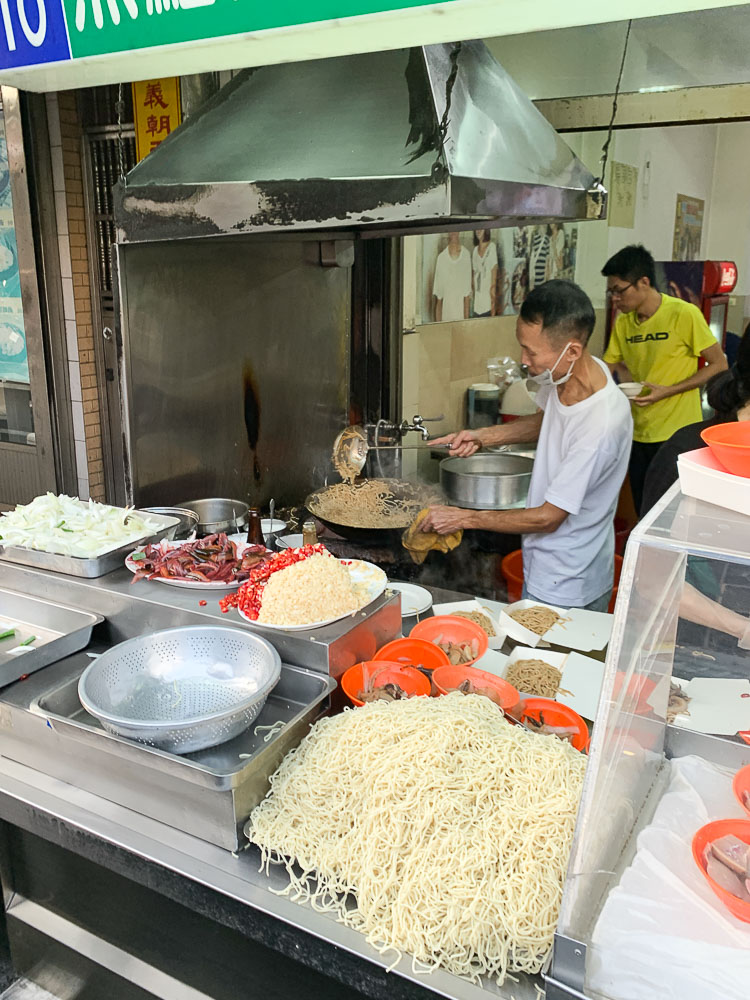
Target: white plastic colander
181, 689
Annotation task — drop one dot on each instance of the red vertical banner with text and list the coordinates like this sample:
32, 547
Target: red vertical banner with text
157, 112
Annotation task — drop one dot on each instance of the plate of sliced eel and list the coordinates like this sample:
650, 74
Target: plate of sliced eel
211, 563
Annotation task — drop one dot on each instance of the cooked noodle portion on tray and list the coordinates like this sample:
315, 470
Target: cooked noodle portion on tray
534, 677
447, 827
537, 619
372, 503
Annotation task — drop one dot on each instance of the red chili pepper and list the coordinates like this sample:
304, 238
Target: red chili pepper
203, 603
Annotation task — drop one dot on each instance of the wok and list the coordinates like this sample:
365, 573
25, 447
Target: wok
389, 536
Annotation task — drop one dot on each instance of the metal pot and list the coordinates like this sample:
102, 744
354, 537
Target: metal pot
486, 482
188, 521
218, 514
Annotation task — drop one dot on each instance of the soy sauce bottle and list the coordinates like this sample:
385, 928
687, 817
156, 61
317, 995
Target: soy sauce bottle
254, 529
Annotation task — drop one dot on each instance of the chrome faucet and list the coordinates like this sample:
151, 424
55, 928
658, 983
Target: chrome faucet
418, 425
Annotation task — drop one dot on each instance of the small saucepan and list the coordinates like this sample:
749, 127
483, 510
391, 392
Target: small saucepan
218, 514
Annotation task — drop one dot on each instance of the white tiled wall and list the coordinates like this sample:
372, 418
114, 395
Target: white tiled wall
66, 271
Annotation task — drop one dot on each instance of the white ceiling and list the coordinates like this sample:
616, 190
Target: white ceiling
680, 50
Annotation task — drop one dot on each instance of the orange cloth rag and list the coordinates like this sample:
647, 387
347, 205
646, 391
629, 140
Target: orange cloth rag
418, 543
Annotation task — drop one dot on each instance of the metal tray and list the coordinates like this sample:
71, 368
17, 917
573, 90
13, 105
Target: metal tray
209, 794
92, 566
59, 632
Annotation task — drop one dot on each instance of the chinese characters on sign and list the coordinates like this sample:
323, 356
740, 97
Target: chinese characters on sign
34, 32
622, 195
157, 111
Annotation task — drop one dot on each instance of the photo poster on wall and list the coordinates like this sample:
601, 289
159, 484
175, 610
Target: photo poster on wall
688, 228
14, 365
489, 272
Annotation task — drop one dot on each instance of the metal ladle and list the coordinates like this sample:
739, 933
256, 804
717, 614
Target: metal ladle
350, 449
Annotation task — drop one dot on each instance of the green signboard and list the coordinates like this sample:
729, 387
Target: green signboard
61, 30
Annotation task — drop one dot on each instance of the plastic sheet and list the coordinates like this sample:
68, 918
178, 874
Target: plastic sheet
662, 932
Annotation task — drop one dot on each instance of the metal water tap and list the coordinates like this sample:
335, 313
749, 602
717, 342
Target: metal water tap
417, 425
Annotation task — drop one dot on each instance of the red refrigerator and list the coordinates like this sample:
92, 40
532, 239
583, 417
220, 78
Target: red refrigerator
705, 283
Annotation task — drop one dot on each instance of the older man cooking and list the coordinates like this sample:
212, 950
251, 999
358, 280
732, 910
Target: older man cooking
584, 429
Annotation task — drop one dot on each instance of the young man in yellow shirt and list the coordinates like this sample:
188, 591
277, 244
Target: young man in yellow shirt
657, 340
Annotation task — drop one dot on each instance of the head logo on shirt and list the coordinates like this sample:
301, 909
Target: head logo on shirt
639, 338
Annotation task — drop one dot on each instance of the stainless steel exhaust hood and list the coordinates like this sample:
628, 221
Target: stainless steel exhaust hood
418, 139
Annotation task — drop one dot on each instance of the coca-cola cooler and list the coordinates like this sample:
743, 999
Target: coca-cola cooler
705, 283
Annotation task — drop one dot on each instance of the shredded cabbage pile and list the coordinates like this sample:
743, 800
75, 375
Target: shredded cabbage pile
72, 527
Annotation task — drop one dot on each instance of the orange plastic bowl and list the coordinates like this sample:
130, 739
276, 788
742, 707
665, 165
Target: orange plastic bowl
707, 835
451, 677
451, 629
413, 652
409, 679
730, 445
741, 787
556, 714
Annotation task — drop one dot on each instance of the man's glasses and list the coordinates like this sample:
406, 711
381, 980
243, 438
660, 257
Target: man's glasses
617, 293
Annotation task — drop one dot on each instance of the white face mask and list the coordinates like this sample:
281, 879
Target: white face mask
547, 378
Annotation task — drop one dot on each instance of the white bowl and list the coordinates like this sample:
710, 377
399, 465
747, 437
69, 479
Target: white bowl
289, 541
269, 527
631, 389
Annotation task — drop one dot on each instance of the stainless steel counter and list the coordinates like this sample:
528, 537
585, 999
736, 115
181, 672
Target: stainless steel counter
32, 800
36, 805
131, 609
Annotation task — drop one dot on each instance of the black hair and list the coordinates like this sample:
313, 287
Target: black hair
563, 309
728, 391
631, 264
487, 233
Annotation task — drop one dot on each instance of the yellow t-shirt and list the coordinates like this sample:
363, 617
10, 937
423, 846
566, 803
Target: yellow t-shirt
664, 350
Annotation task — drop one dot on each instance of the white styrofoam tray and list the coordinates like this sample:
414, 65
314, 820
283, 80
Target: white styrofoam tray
581, 682
582, 630
492, 662
718, 706
494, 642
704, 478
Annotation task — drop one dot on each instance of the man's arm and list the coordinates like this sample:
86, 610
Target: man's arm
534, 520
525, 430
715, 363
467, 300
620, 369
696, 607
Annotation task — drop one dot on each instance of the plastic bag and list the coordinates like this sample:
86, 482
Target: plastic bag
503, 372
662, 932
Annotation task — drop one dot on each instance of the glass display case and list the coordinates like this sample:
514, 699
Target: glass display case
683, 612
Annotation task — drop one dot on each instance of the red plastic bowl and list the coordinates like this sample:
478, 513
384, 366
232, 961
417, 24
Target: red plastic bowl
413, 652
707, 835
408, 679
741, 787
730, 445
451, 677
557, 714
452, 629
